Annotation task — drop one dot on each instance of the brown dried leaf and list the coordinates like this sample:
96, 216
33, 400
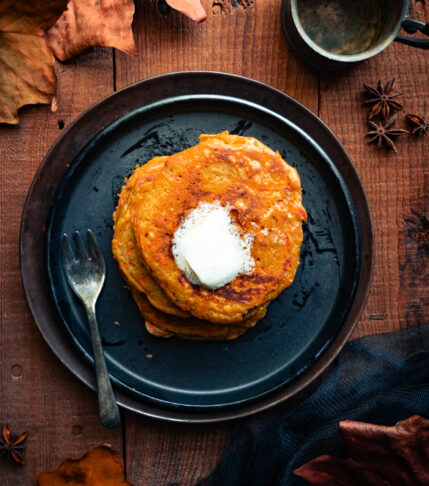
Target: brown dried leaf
27, 72
100, 467
191, 8
90, 23
397, 456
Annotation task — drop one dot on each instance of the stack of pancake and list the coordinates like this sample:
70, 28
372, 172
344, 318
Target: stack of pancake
263, 195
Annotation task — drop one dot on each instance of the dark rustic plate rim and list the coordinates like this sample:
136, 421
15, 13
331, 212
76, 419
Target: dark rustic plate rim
58, 341
223, 102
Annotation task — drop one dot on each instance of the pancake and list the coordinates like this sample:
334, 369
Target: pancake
156, 331
163, 325
140, 175
124, 245
263, 194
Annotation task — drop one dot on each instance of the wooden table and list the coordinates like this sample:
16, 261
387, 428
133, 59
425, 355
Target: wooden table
41, 396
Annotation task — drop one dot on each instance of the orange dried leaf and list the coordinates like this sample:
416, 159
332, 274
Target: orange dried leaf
191, 8
100, 467
27, 72
90, 23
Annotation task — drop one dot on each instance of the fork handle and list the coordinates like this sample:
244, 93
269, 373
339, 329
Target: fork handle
109, 412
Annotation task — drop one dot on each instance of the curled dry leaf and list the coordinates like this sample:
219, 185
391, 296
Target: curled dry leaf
27, 73
90, 23
100, 467
395, 456
191, 8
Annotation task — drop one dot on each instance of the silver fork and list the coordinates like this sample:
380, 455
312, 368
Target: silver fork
85, 275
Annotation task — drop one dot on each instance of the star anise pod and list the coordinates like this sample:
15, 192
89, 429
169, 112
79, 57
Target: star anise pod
12, 446
384, 133
419, 124
382, 99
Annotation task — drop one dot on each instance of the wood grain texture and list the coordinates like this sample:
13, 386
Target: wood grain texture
396, 184
42, 397
167, 454
246, 41
38, 394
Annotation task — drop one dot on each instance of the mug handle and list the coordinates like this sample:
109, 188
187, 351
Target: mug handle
411, 26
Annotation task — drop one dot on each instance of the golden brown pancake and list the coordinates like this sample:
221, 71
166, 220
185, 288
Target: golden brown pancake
156, 331
141, 175
163, 325
124, 245
263, 194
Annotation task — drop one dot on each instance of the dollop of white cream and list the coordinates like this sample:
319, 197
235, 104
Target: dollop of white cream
209, 248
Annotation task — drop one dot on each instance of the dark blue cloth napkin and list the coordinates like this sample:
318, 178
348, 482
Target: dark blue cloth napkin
378, 379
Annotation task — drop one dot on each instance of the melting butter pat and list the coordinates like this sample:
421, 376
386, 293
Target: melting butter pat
209, 248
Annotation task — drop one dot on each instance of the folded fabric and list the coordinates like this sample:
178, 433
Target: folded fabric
378, 379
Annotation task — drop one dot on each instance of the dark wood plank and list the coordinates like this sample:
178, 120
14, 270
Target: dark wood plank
171, 454
38, 394
246, 41
396, 184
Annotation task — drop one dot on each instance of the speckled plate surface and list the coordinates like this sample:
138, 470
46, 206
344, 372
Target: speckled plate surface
305, 327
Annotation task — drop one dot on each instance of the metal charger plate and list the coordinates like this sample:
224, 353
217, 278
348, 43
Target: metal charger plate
305, 328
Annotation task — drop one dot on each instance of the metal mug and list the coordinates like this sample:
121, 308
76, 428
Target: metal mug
334, 34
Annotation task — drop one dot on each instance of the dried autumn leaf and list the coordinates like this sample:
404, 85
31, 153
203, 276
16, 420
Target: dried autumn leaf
100, 467
191, 8
395, 456
90, 23
27, 73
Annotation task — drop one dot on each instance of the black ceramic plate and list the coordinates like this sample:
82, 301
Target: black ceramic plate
303, 325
